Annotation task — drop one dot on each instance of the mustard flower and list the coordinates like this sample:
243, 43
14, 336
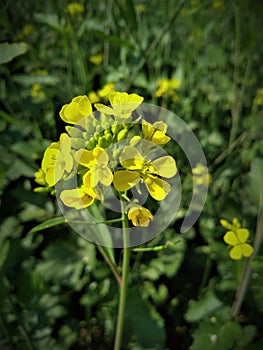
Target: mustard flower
76, 110
97, 163
139, 216
167, 87
200, 175
139, 169
77, 198
106, 90
75, 8
237, 239
122, 105
93, 97
96, 59
258, 100
57, 161
155, 132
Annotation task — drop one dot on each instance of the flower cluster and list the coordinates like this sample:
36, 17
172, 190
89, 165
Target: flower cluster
92, 150
167, 88
237, 238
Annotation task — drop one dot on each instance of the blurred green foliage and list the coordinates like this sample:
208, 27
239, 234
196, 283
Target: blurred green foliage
56, 290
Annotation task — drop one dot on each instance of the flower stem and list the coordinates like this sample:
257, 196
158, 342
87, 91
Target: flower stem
124, 284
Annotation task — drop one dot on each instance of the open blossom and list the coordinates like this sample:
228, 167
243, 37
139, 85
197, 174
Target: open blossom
137, 168
140, 216
79, 108
57, 161
122, 105
96, 161
237, 238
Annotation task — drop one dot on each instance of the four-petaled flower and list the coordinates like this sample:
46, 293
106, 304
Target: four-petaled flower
237, 238
138, 168
97, 162
122, 105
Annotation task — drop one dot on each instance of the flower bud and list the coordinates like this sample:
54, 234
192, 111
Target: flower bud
122, 135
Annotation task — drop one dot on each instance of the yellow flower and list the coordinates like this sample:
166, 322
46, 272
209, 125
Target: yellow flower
237, 238
258, 100
96, 59
93, 97
147, 171
200, 175
77, 198
75, 8
79, 108
106, 90
155, 132
140, 216
122, 104
57, 161
167, 87
97, 162
36, 90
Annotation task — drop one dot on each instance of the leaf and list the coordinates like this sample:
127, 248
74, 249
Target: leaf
9, 51
49, 223
4, 252
203, 307
143, 324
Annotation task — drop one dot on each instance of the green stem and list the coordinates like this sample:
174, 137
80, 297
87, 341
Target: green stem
124, 284
111, 264
242, 288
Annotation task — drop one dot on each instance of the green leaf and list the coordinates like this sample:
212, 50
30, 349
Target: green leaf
143, 325
49, 223
4, 249
203, 307
9, 51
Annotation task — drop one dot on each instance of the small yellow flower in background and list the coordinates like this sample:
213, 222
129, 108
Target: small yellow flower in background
93, 97
237, 238
218, 4
138, 168
167, 88
42, 72
258, 100
155, 132
139, 216
96, 59
77, 198
36, 90
106, 91
76, 110
75, 8
200, 175
140, 8
27, 29
122, 105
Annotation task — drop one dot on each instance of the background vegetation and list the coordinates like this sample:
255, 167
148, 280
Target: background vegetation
203, 61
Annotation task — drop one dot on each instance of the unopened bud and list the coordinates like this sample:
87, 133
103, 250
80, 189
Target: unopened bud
122, 135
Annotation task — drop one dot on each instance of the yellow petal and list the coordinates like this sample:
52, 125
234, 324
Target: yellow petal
160, 138
165, 166
131, 158
225, 224
242, 234
247, 250
157, 187
231, 238
103, 109
84, 157
236, 252
76, 198
105, 176
123, 180
76, 110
